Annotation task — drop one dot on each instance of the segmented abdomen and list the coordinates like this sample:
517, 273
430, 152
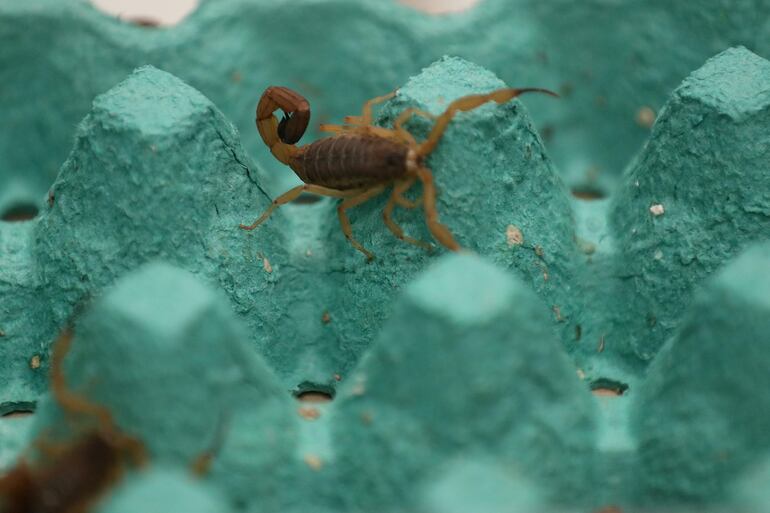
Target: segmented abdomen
350, 162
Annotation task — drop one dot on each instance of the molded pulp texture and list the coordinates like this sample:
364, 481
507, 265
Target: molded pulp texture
461, 381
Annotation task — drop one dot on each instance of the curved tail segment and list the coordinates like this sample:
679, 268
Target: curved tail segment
467, 103
281, 136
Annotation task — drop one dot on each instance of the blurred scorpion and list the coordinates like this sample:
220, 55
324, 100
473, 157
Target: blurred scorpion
71, 476
360, 161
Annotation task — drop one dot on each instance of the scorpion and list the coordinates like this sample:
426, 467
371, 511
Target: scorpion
71, 477
360, 160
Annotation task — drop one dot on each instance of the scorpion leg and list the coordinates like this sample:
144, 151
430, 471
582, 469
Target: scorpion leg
399, 133
365, 118
401, 201
335, 129
407, 203
440, 231
404, 117
398, 190
467, 103
201, 465
76, 404
375, 131
293, 194
364, 196
71, 402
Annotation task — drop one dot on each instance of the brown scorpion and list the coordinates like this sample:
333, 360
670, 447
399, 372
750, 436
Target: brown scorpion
361, 161
70, 477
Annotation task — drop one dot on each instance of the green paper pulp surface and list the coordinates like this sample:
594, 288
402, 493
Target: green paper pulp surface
161, 491
20, 290
182, 201
467, 364
750, 493
608, 59
706, 166
193, 185
173, 365
446, 384
701, 416
498, 161
467, 372
483, 487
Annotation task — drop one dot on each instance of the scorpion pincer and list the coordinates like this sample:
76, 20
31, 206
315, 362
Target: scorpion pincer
360, 161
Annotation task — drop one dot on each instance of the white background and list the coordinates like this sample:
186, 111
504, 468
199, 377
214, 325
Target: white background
169, 12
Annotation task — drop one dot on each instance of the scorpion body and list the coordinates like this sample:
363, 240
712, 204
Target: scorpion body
361, 161
350, 162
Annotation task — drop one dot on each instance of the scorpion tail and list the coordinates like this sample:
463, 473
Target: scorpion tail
280, 137
467, 103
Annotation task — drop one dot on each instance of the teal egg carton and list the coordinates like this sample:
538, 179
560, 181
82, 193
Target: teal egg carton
602, 340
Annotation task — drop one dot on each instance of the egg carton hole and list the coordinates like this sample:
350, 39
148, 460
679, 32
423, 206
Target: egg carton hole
609, 387
314, 393
588, 193
17, 409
